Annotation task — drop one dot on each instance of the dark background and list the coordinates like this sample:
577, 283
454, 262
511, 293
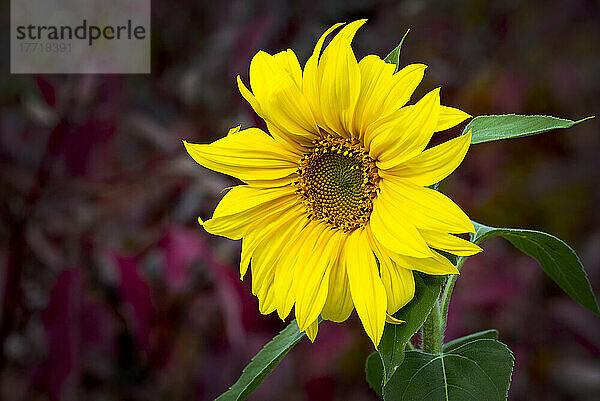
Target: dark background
111, 291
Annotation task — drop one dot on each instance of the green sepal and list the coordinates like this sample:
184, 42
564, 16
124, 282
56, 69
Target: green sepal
394, 56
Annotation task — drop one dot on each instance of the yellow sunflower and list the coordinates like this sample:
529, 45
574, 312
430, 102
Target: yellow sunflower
335, 210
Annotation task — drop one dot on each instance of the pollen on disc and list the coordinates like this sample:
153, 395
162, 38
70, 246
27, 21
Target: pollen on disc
337, 181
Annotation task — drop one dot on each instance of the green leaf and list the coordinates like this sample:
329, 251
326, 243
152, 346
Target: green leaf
394, 56
395, 336
493, 128
263, 363
374, 372
558, 260
479, 370
454, 344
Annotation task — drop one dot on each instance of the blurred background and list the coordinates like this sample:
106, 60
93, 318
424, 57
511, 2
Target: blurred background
111, 291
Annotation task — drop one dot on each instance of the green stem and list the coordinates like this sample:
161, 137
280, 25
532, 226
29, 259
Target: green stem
447, 294
432, 331
445, 301
435, 325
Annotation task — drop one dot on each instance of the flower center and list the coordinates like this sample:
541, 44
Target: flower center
337, 181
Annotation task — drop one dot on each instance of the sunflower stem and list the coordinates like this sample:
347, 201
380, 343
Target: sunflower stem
447, 294
435, 325
445, 301
432, 331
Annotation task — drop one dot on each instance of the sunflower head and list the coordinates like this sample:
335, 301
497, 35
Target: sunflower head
334, 211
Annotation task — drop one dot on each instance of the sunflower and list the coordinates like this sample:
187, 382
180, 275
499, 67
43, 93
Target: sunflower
335, 211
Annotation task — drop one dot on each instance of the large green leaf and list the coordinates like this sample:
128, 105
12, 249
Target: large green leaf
478, 370
395, 336
394, 56
263, 363
493, 128
557, 259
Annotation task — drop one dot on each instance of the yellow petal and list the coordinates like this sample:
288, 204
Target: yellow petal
450, 243
338, 305
340, 81
266, 70
405, 82
236, 226
312, 329
424, 207
314, 58
410, 135
244, 207
288, 60
436, 265
263, 272
399, 282
391, 319
249, 244
375, 78
277, 89
311, 277
249, 155
266, 301
242, 198
434, 164
274, 183
246, 94
382, 91
290, 143
289, 111
392, 230
368, 292
250, 241
377, 134
399, 285
297, 244
449, 117
272, 234
347, 33
311, 81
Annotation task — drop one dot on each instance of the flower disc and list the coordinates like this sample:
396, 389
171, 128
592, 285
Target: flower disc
338, 182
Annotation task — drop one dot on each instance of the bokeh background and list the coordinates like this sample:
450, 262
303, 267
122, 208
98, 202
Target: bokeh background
111, 291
